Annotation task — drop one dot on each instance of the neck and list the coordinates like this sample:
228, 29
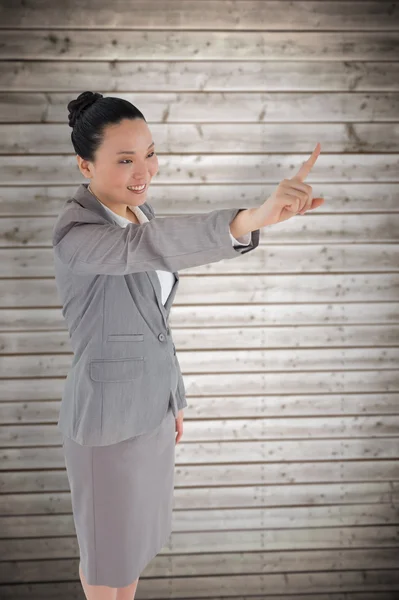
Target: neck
128, 213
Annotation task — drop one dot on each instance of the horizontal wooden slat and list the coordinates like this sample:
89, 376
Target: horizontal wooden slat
259, 428
233, 289
273, 288
202, 431
276, 583
271, 339
241, 358
263, 348
169, 199
165, 76
190, 14
230, 508
65, 591
167, 565
257, 315
236, 384
374, 480
219, 168
327, 596
214, 107
288, 382
243, 451
382, 536
219, 138
233, 407
224, 45
222, 520
379, 536
308, 228
268, 258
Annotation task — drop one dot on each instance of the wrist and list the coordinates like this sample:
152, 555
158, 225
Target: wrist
244, 222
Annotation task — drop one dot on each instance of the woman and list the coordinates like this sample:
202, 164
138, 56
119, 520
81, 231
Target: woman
116, 273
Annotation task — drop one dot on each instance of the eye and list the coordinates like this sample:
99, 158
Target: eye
123, 161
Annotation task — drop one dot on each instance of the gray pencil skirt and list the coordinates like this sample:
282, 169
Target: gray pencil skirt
122, 502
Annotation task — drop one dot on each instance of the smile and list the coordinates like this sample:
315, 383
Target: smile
137, 189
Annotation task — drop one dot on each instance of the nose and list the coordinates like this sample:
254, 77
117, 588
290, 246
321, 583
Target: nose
140, 175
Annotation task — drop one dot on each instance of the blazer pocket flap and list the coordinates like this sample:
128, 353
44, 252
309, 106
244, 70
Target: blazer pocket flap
125, 337
116, 369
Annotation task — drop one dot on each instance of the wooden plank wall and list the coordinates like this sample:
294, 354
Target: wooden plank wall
287, 478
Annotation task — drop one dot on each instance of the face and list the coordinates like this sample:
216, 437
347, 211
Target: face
125, 158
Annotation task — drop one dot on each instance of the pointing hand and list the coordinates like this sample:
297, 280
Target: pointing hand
291, 197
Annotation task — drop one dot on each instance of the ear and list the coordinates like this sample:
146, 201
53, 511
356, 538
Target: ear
84, 167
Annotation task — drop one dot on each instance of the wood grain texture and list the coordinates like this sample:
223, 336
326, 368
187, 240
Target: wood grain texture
217, 168
199, 45
216, 138
185, 198
287, 476
220, 14
199, 75
216, 107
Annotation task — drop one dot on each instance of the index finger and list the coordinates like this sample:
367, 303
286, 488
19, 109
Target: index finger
308, 164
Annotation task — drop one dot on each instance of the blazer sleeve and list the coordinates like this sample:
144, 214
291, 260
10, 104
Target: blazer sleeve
238, 242
87, 244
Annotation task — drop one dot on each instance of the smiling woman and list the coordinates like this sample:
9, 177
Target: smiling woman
114, 149
116, 268
122, 493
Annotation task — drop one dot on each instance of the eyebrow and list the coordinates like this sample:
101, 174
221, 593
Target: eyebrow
132, 151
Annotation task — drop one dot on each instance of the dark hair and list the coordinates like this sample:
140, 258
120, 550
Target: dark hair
90, 113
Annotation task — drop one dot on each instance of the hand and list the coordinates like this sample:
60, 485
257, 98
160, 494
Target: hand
179, 425
291, 197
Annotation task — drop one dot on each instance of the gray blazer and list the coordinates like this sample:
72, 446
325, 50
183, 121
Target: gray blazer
125, 371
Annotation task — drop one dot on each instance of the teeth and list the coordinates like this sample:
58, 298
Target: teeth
136, 187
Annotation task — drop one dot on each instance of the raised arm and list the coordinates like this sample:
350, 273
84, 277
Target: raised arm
86, 244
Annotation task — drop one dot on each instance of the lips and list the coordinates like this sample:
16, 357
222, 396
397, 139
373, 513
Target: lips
138, 191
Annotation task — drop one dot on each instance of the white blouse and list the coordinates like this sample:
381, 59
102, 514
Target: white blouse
166, 278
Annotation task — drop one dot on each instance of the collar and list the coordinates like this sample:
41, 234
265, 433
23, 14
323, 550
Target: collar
86, 199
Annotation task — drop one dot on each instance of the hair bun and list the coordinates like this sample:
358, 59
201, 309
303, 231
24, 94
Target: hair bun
80, 104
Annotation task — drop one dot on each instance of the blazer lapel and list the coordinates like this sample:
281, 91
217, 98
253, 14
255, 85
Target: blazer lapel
86, 199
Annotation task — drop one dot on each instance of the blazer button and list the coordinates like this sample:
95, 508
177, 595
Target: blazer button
161, 337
